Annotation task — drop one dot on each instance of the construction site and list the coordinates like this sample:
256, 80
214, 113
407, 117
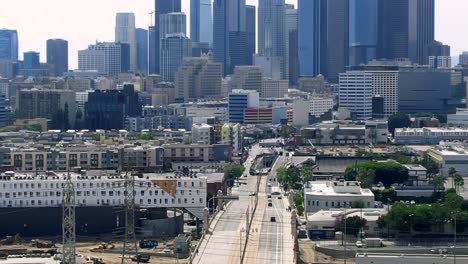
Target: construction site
133, 241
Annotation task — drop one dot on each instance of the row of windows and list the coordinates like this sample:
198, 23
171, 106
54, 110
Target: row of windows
93, 185
331, 204
11, 203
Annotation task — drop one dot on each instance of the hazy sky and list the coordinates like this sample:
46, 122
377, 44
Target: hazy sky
82, 22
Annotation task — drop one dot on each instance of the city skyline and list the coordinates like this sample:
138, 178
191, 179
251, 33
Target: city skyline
100, 23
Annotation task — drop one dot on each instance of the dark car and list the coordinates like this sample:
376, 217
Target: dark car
141, 258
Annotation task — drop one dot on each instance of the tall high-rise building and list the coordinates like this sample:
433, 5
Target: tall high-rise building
229, 33
292, 24
125, 32
363, 31
355, 93
421, 29
174, 48
337, 38
463, 58
31, 60
8, 44
198, 78
246, 78
142, 50
161, 7
273, 34
251, 27
312, 44
201, 21
57, 56
393, 29
172, 23
104, 57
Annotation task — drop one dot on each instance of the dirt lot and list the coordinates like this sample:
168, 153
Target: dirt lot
308, 255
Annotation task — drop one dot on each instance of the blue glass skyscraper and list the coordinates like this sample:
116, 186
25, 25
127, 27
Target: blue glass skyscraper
363, 31
201, 21
142, 49
8, 44
229, 33
310, 29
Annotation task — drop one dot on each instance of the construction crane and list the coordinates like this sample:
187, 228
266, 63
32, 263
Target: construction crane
68, 222
130, 247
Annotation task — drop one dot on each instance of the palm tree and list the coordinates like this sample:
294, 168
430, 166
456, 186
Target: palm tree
438, 182
452, 171
459, 182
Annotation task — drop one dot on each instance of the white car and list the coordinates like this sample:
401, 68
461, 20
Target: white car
359, 244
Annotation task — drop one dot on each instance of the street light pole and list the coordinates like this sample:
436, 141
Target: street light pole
455, 239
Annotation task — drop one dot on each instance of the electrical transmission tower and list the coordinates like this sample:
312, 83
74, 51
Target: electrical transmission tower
68, 222
130, 244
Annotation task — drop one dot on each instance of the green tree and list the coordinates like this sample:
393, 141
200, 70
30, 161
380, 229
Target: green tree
386, 172
145, 136
35, 127
288, 178
298, 199
353, 225
438, 183
79, 120
452, 171
398, 120
307, 174
428, 163
358, 204
234, 171
366, 177
459, 182
96, 137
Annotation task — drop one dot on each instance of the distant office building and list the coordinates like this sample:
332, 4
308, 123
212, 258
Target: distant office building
201, 24
270, 66
174, 48
378, 107
355, 93
440, 62
320, 105
108, 109
238, 101
273, 34
161, 7
198, 78
434, 98
393, 29
31, 60
44, 103
172, 23
274, 88
8, 44
251, 28
229, 33
4, 113
460, 118
142, 50
125, 32
57, 56
292, 25
421, 31
202, 134
8, 68
105, 57
363, 31
463, 58
246, 78
300, 111
385, 81
337, 38
312, 45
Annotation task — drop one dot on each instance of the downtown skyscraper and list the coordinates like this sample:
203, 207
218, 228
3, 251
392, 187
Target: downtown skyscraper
201, 21
229, 33
273, 34
125, 32
161, 7
57, 56
8, 44
312, 41
363, 31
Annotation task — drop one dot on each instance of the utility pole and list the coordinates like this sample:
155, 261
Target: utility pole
130, 244
68, 222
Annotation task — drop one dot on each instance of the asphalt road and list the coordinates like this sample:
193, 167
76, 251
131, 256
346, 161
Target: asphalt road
224, 244
274, 242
